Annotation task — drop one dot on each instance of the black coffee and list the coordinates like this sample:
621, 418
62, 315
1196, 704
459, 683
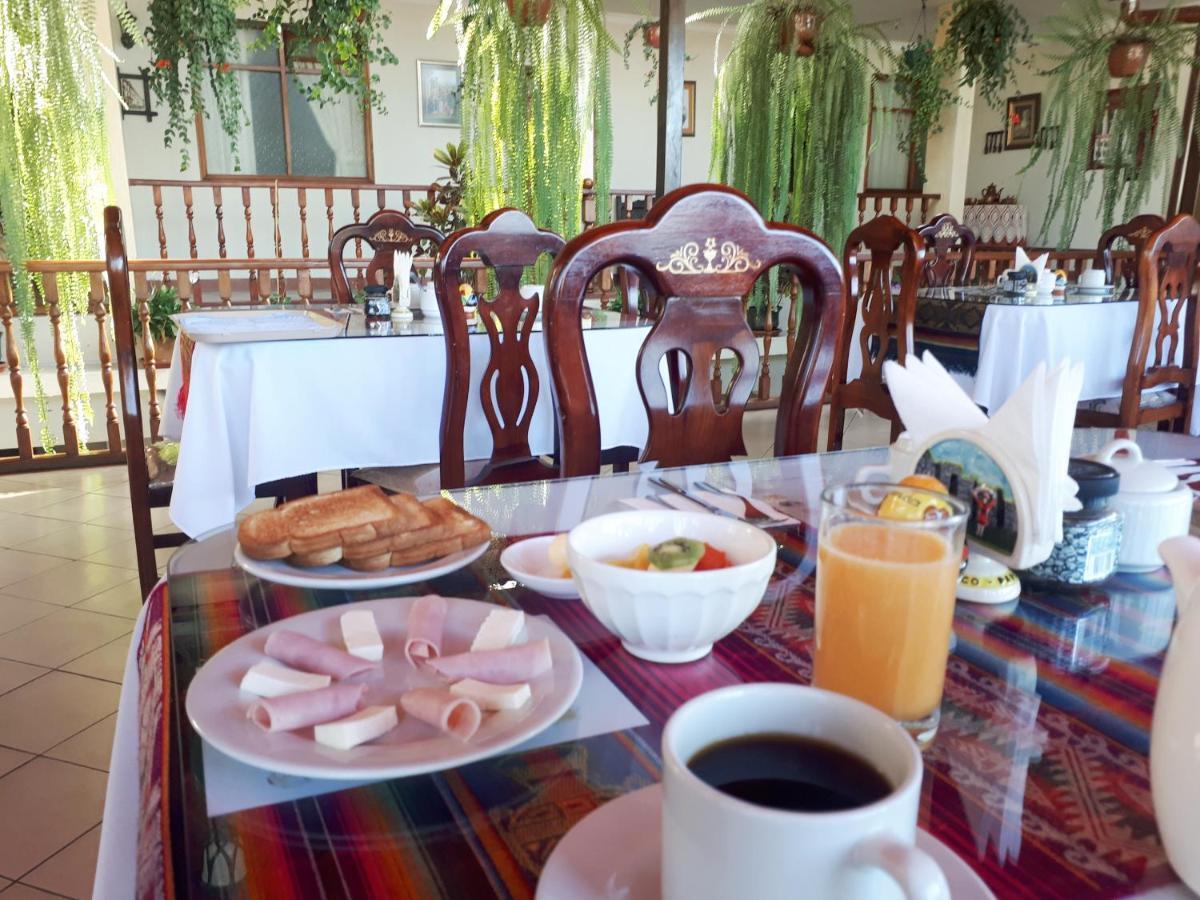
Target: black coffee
787, 771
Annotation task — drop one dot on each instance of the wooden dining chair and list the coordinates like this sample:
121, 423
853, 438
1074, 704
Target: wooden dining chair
701, 248
147, 492
949, 252
1135, 233
385, 232
887, 318
1167, 320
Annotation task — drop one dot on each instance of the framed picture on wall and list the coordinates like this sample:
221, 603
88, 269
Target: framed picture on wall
439, 94
1021, 121
689, 109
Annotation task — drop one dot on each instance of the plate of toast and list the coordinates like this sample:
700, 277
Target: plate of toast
358, 539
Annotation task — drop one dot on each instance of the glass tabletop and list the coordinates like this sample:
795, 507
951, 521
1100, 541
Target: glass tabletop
991, 295
1039, 774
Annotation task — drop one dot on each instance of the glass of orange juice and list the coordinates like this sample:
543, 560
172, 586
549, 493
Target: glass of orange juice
885, 597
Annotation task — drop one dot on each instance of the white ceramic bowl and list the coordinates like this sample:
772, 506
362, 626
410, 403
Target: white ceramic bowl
669, 617
528, 561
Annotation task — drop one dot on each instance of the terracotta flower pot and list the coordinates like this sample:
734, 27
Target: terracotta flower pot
652, 35
163, 351
1126, 58
798, 32
530, 12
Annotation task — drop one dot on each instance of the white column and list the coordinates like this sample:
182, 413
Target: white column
949, 151
118, 170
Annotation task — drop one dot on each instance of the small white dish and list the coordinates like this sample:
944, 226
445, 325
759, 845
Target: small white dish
528, 561
616, 851
341, 578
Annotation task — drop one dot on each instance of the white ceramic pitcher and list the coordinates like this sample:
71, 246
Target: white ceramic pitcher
1174, 749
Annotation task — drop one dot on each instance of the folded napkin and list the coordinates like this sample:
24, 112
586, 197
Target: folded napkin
726, 502
1039, 262
401, 271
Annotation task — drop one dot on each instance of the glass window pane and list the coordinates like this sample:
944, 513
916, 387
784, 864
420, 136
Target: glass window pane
267, 56
887, 164
260, 144
327, 140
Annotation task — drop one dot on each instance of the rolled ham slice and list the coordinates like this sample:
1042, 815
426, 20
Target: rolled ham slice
426, 619
293, 711
511, 665
302, 652
454, 715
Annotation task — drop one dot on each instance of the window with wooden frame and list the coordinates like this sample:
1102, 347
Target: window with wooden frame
286, 135
888, 167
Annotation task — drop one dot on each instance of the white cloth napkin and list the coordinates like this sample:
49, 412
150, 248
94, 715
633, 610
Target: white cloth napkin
1039, 262
726, 502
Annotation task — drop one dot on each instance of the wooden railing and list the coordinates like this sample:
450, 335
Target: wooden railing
910, 207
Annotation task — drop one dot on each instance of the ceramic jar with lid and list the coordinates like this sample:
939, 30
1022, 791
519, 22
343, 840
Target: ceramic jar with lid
1155, 503
1091, 540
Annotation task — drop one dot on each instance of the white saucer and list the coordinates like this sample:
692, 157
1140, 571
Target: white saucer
614, 852
528, 561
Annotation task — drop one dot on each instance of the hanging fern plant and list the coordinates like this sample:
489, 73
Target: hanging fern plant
920, 71
194, 42
1143, 132
984, 37
532, 94
790, 112
53, 175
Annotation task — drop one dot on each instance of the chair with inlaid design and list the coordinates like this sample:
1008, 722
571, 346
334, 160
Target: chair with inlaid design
949, 252
887, 318
701, 249
151, 490
385, 232
1136, 232
1160, 376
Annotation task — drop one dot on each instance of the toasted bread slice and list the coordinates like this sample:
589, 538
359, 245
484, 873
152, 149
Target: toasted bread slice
425, 552
369, 563
318, 558
263, 535
412, 516
345, 512
462, 524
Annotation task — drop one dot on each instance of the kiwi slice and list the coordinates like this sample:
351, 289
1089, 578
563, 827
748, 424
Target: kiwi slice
676, 555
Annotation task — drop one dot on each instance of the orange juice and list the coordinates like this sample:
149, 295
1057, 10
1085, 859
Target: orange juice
885, 603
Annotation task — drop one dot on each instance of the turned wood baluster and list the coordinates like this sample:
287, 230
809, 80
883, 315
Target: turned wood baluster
304, 286
793, 316
24, 436
406, 199
255, 295
329, 211
220, 220
302, 199
275, 220
141, 292
70, 433
764, 377
190, 213
908, 208
381, 198
158, 214
355, 202
249, 229
183, 285
225, 288
264, 284
99, 308
862, 208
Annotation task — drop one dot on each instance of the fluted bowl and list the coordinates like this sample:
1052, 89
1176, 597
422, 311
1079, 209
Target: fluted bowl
669, 617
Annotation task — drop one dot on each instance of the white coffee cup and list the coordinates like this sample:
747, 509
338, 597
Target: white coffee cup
1047, 279
1092, 278
718, 846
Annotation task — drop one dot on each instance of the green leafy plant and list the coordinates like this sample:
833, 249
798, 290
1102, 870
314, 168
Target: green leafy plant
532, 95
162, 303
443, 207
1143, 132
920, 73
194, 42
643, 27
342, 36
984, 38
53, 173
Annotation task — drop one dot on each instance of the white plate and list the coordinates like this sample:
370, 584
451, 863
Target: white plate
1094, 291
244, 325
217, 708
338, 577
616, 851
528, 561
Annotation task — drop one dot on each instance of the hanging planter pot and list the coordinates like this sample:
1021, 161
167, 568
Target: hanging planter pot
798, 32
1127, 57
530, 12
652, 35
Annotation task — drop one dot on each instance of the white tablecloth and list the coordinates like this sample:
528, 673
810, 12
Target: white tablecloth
257, 412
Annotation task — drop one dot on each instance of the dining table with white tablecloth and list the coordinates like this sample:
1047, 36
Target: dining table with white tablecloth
257, 411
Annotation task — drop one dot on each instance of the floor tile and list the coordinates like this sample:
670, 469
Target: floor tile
10, 759
80, 479
18, 611
18, 528
84, 508
69, 583
91, 747
107, 662
123, 600
14, 674
47, 804
53, 708
30, 499
160, 517
122, 554
16, 565
61, 637
113, 490
70, 871
75, 541
25, 892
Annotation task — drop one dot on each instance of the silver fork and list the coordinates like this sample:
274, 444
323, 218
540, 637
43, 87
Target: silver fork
753, 519
750, 512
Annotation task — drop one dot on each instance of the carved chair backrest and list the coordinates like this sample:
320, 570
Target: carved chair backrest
385, 232
949, 252
1136, 232
507, 242
701, 249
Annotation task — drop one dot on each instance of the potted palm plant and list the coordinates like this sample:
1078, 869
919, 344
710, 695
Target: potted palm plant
162, 303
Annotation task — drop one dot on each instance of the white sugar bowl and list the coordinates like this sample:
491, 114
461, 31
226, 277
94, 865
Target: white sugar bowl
1156, 504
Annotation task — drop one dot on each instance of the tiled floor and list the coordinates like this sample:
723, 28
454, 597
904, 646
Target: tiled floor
68, 599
